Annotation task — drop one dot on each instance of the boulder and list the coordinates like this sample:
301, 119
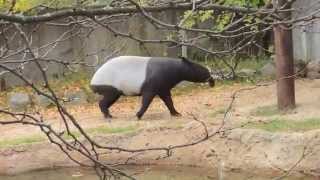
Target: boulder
313, 75
313, 70
313, 66
246, 72
19, 101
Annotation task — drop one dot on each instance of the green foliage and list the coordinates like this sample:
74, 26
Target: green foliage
248, 3
254, 63
78, 80
27, 5
24, 5
4, 5
222, 18
190, 18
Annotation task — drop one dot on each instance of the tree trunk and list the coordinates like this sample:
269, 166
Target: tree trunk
284, 61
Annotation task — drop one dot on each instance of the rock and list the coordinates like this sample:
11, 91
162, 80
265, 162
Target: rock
313, 70
43, 101
268, 70
76, 98
19, 101
246, 72
300, 68
313, 75
313, 66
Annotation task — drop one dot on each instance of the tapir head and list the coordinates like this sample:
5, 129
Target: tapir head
197, 73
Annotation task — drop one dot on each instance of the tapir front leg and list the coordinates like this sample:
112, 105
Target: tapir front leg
147, 98
166, 98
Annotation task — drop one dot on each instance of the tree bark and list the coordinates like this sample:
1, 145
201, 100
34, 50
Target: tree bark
284, 61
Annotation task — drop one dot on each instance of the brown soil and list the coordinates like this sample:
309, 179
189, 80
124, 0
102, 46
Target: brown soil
241, 149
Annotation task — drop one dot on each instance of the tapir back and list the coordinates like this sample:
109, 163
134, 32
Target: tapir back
125, 73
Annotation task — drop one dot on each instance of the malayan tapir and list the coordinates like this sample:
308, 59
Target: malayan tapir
146, 77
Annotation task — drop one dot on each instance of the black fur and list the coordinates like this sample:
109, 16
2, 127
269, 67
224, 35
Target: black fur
110, 96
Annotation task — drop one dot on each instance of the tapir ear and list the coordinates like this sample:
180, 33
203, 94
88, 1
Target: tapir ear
185, 60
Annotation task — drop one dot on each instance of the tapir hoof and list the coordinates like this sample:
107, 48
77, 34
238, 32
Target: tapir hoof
107, 116
138, 116
175, 114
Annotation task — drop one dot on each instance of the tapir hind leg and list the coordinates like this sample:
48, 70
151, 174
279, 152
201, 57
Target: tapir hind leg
147, 98
109, 97
166, 98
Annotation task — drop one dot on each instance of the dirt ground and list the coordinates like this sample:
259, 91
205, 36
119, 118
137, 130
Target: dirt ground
207, 104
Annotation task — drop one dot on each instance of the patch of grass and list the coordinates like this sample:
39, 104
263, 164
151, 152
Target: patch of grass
254, 62
110, 130
21, 140
286, 125
251, 63
188, 88
40, 138
265, 111
217, 112
73, 81
104, 130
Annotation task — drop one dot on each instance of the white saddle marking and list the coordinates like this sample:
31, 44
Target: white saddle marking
125, 73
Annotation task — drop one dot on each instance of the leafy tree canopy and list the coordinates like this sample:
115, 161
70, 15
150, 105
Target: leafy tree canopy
190, 18
18, 6
221, 18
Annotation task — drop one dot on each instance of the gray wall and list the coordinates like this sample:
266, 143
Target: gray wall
88, 45
306, 39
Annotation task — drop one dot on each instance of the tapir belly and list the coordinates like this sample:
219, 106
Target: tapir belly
130, 85
123, 73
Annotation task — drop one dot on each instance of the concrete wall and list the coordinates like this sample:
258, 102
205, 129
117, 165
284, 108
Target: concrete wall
306, 39
87, 45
